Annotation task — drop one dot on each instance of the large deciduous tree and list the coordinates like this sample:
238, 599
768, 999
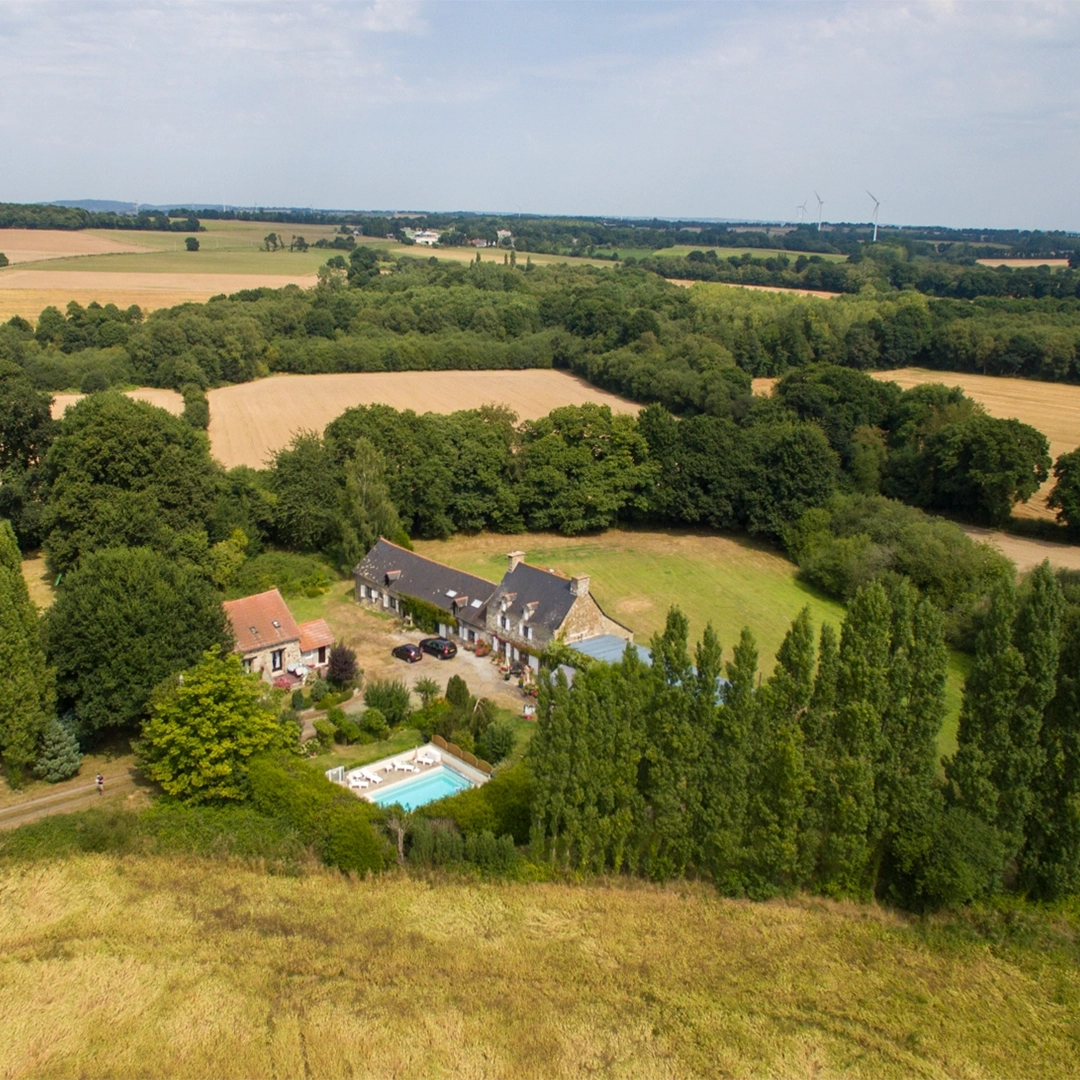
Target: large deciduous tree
366, 509
124, 620
125, 473
205, 726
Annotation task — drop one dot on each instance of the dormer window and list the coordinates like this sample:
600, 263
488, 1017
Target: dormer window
277, 625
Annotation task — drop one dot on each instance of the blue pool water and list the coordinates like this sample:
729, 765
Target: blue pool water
435, 784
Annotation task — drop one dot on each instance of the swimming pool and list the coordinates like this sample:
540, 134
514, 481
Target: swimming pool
434, 784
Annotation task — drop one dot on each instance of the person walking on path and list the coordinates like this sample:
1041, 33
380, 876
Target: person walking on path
100, 784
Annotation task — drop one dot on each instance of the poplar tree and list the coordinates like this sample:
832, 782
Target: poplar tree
549, 753
851, 817
27, 687
1037, 634
984, 737
725, 854
675, 750
1050, 864
817, 725
779, 779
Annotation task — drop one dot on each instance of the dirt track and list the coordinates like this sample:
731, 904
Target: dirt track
251, 421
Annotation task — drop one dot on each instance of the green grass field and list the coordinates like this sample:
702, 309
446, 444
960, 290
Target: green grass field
187, 968
682, 250
728, 580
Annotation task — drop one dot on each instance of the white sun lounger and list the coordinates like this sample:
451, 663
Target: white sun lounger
404, 766
371, 775
428, 757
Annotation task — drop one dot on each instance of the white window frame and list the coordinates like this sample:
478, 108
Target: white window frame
277, 660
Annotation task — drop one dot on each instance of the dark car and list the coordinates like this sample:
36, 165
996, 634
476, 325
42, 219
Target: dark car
407, 652
439, 646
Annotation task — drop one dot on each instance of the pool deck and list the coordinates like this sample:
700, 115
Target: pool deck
401, 767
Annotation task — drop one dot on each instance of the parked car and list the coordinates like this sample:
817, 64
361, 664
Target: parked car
440, 647
408, 652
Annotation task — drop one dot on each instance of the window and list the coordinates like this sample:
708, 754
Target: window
504, 621
277, 658
363, 592
246, 664
526, 632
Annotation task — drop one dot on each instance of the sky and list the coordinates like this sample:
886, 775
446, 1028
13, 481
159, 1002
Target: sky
950, 113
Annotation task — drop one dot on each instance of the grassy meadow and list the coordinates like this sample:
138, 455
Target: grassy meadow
180, 967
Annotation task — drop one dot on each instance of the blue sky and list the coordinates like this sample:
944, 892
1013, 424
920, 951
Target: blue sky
951, 113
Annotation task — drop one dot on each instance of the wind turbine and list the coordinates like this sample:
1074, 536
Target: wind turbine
801, 210
820, 204
877, 207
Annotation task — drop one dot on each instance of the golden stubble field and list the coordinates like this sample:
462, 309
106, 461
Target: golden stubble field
249, 422
176, 967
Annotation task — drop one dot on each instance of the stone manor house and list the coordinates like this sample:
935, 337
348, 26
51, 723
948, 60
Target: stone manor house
520, 616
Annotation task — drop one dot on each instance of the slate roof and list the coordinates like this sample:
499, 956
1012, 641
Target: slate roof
401, 571
315, 635
526, 586
262, 621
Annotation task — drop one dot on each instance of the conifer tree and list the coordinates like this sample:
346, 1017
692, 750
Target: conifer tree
27, 689
59, 757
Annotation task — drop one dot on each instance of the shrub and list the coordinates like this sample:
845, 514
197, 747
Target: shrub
438, 843
60, 757
434, 718
457, 692
325, 733
501, 806
335, 822
348, 730
496, 743
342, 669
428, 689
298, 702
319, 690
291, 574
391, 698
373, 722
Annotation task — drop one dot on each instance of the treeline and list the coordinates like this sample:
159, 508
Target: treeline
44, 216
825, 777
885, 267
626, 330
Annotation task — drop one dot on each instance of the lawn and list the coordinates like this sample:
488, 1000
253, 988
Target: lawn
181, 967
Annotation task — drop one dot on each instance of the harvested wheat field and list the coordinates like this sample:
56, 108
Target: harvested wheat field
34, 245
163, 399
1021, 264
689, 283
178, 967
29, 292
249, 422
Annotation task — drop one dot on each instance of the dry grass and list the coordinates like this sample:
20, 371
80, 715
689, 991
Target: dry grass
183, 968
34, 245
39, 582
251, 421
169, 400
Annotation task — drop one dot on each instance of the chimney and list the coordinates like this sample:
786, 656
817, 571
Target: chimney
514, 559
579, 585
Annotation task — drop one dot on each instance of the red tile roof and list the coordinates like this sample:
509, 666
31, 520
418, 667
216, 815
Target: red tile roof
261, 621
314, 635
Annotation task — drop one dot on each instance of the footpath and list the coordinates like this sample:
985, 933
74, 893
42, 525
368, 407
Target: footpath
79, 796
